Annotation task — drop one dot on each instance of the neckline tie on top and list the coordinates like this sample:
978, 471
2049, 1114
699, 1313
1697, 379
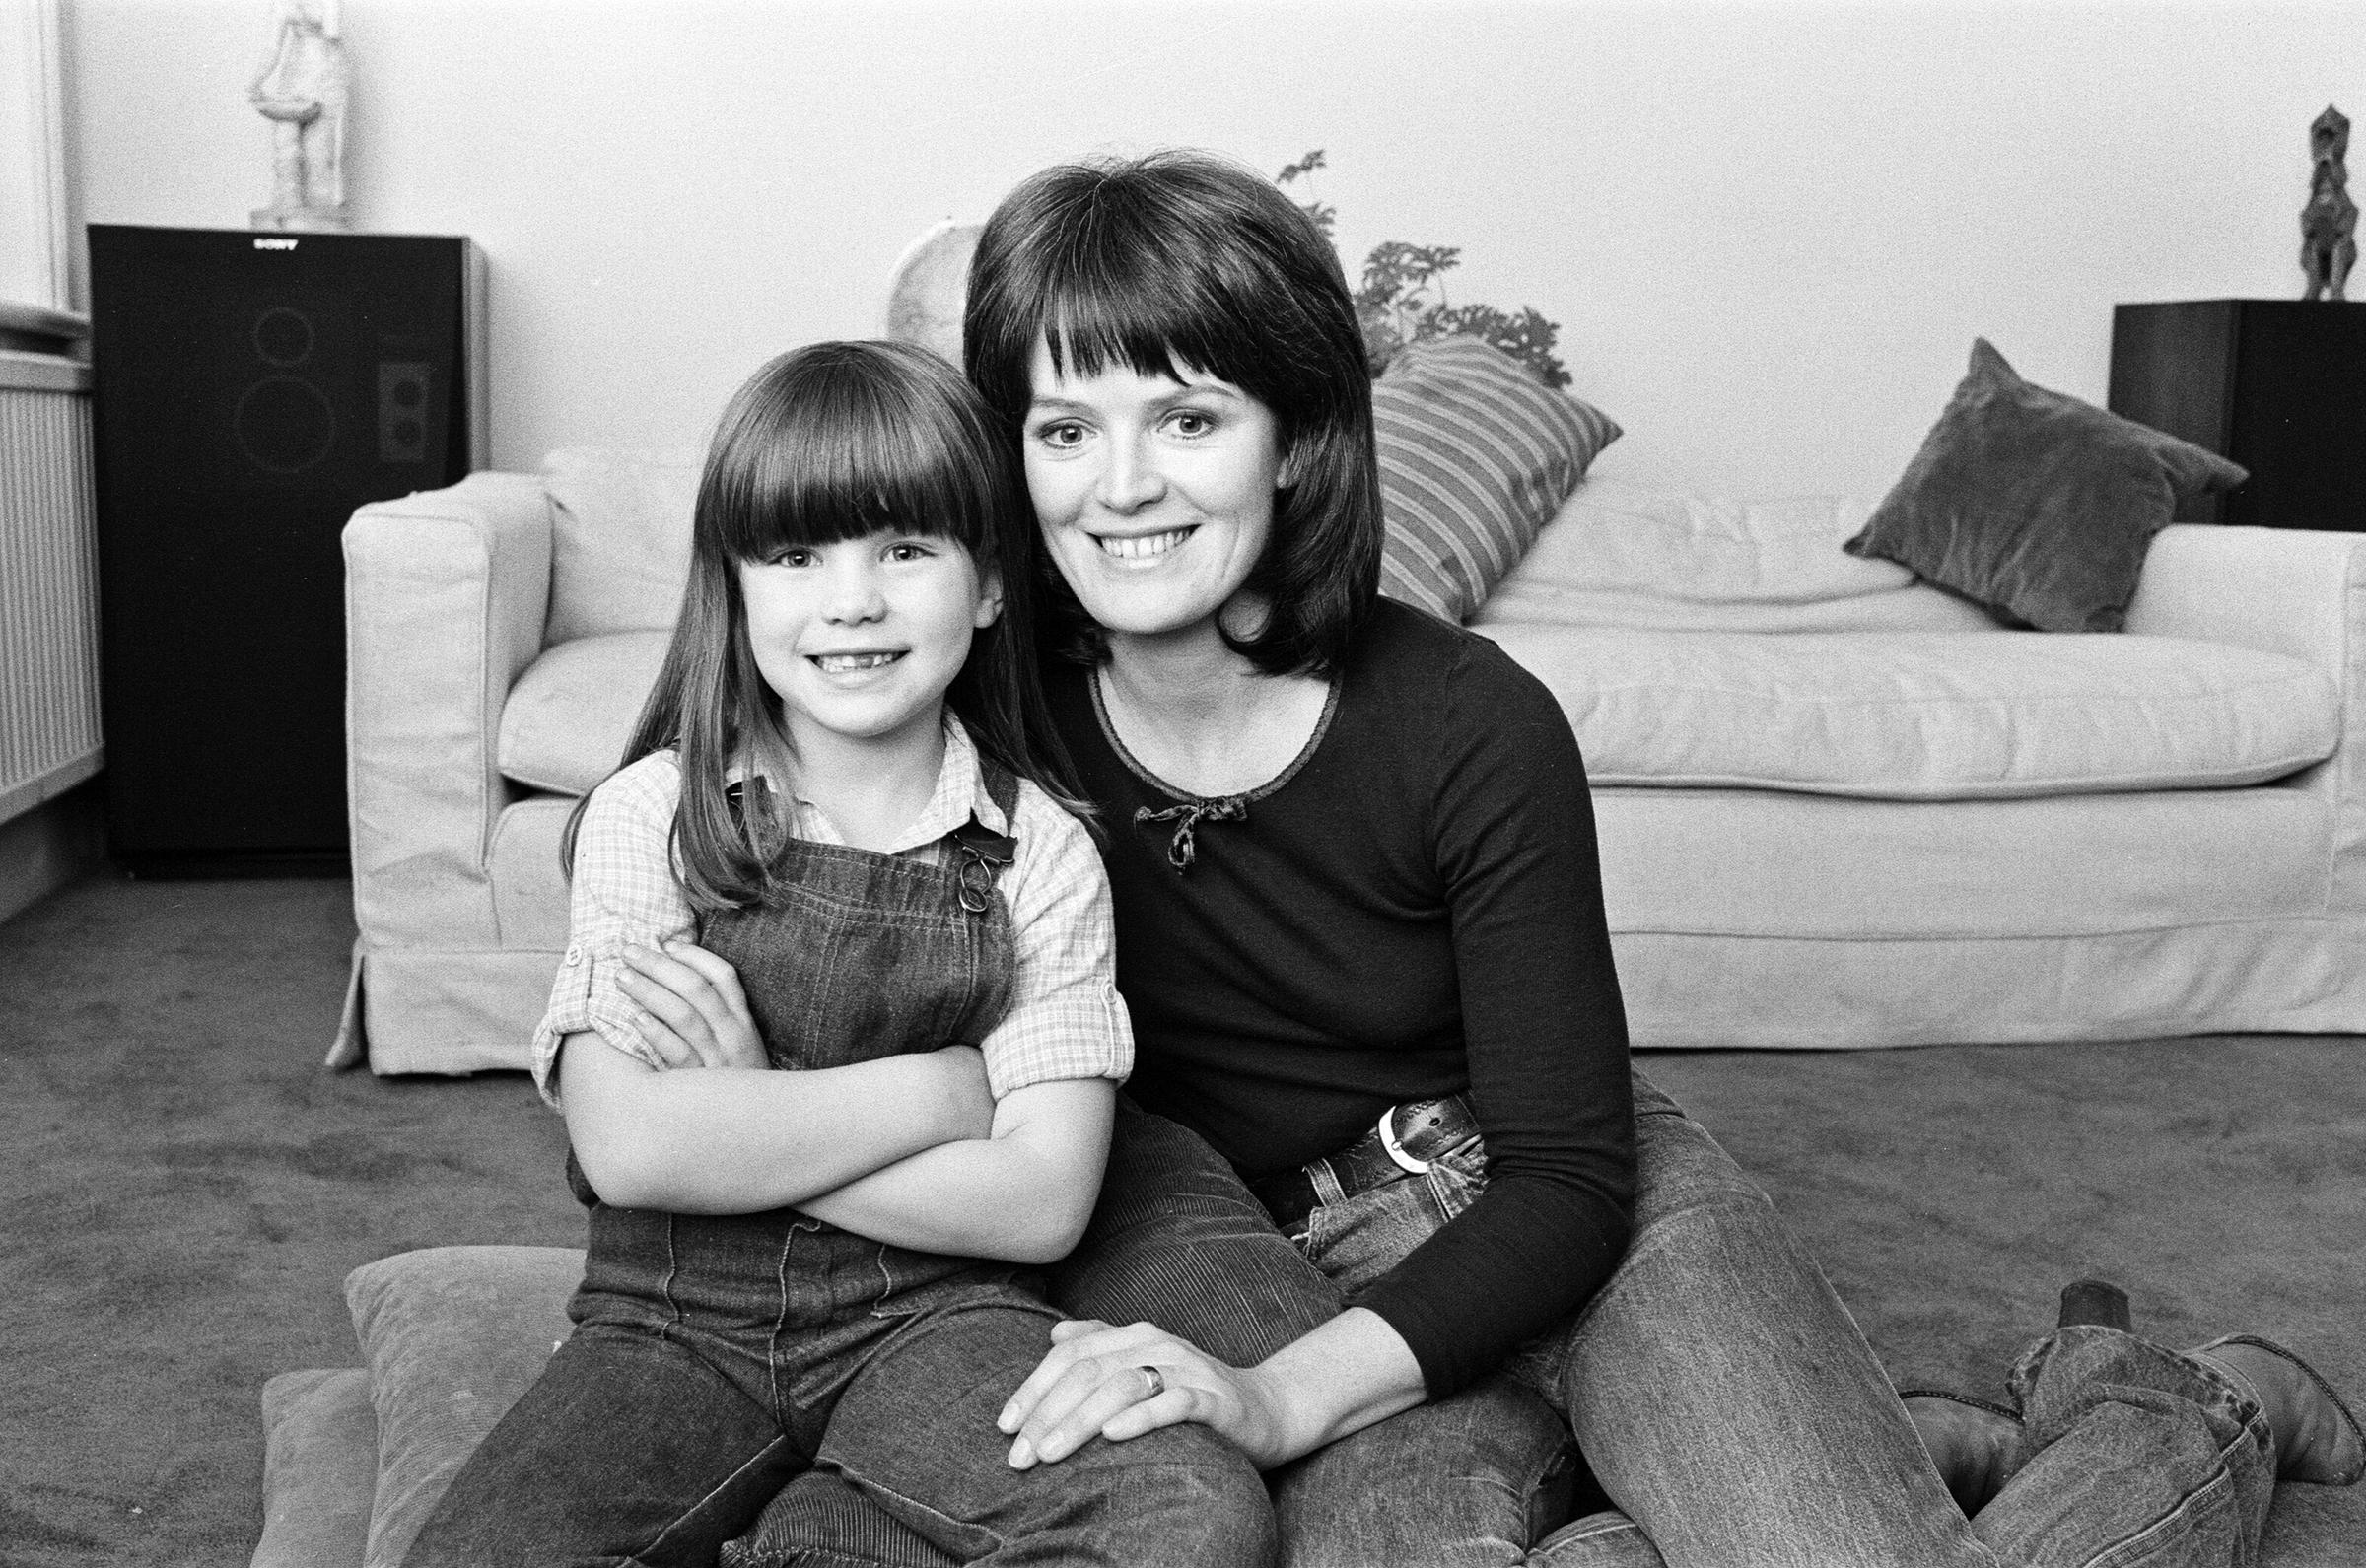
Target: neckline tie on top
1183, 849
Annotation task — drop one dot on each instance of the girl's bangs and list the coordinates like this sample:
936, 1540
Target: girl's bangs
849, 468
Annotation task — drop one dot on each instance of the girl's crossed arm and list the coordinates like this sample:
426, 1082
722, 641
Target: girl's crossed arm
1013, 1179
1023, 1186
739, 1143
1023, 1194
708, 1142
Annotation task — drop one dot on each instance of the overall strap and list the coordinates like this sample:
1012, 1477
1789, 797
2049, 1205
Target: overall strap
980, 855
1001, 785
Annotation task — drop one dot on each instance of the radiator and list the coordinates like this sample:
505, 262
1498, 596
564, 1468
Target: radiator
49, 737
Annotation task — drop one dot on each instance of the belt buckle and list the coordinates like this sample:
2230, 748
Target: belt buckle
1387, 1129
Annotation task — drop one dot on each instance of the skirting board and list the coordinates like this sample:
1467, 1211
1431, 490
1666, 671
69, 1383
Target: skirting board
47, 846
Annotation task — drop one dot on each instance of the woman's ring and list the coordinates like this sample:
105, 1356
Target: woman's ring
1157, 1380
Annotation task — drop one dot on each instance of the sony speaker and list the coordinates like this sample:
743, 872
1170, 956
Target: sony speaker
250, 391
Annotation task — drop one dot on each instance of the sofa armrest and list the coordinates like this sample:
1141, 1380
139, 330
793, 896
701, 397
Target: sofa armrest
446, 595
2282, 590
2292, 591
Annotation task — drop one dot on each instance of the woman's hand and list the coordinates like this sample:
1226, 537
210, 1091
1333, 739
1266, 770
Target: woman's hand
693, 1013
1094, 1383
1333, 1380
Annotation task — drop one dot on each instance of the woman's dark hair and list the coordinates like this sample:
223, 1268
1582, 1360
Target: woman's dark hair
830, 443
1177, 260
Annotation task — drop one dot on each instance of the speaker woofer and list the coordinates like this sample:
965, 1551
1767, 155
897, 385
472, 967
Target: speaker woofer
284, 425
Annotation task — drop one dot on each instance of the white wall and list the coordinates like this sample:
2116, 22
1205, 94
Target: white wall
34, 242
1770, 230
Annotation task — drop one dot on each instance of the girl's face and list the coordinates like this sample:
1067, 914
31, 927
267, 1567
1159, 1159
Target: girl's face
1155, 495
858, 640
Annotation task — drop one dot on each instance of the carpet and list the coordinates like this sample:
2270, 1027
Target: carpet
184, 1190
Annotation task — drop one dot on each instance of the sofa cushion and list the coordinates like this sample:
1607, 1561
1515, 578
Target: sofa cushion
2036, 504
1475, 457
1623, 554
1774, 866
565, 724
620, 539
1930, 716
529, 873
452, 1335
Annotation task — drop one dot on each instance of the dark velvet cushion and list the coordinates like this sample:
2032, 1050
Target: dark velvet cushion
2036, 505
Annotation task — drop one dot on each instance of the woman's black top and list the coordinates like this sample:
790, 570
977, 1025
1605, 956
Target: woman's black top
1412, 909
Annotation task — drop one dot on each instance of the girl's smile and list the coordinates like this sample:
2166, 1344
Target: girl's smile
860, 638
1156, 494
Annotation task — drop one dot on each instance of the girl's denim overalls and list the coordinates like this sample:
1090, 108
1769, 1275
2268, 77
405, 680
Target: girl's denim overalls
712, 1353
853, 956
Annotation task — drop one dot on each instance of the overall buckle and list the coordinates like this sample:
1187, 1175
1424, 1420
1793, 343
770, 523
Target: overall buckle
983, 856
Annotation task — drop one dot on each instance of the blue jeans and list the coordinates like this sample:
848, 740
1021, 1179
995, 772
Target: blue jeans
1724, 1398
1722, 1392
630, 1448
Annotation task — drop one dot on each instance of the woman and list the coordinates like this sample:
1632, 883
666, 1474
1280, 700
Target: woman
1361, 935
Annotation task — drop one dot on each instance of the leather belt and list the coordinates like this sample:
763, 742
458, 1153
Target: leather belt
1402, 1144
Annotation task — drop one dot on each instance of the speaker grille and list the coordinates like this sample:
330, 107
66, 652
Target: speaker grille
285, 426
283, 336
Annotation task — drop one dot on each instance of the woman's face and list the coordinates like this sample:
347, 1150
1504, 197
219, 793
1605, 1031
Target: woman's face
1155, 495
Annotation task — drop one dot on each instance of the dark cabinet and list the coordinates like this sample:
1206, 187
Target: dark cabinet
2278, 385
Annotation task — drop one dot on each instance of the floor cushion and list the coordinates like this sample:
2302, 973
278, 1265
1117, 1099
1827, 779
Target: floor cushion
320, 1469
451, 1337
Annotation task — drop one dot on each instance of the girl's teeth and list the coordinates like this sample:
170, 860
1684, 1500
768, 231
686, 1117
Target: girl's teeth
845, 663
1145, 546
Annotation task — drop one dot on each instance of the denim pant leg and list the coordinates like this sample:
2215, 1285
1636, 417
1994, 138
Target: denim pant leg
915, 1431
1177, 1240
1466, 1481
1724, 1396
628, 1448
2135, 1454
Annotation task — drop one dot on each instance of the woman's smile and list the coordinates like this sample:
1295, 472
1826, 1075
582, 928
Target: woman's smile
1156, 494
1144, 547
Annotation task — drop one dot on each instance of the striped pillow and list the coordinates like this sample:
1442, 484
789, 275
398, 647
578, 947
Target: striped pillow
1475, 458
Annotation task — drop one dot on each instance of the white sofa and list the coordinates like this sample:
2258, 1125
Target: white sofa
1865, 815
1838, 807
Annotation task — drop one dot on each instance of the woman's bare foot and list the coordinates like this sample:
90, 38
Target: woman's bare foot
1970, 1445
2316, 1440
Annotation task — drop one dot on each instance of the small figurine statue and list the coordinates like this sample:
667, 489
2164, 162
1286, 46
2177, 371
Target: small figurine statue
301, 90
2329, 219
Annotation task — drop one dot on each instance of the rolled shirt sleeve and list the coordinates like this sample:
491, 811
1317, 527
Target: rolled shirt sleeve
624, 890
1065, 1019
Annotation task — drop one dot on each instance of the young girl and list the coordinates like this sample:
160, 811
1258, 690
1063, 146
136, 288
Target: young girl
829, 791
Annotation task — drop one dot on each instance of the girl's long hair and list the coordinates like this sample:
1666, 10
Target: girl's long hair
829, 443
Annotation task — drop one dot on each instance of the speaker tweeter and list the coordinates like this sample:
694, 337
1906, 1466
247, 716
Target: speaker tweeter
403, 411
